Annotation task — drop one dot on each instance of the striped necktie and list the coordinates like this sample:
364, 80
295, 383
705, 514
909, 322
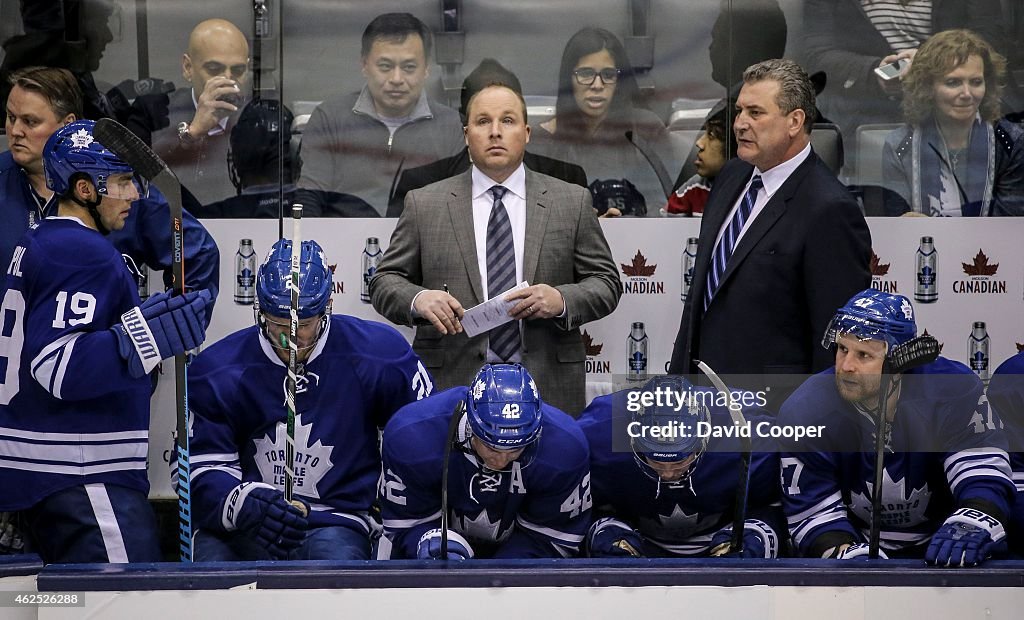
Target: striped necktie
726, 245
501, 272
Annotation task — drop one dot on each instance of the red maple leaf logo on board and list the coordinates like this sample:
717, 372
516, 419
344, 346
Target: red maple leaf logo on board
332, 268
639, 268
981, 266
593, 349
1020, 347
878, 269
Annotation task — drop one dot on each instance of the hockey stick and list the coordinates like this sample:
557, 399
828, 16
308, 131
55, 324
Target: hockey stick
293, 358
453, 424
149, 166
915, 352
740, 510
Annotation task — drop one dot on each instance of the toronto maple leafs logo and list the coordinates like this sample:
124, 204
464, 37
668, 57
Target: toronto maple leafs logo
81, 139
478, 390
677, 525
481, 527
899, 509
311, 462
908, 310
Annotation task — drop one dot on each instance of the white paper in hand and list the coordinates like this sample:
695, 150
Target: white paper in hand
491, 313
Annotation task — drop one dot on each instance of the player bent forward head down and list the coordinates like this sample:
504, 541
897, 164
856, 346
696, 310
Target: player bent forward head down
273, 298
516, 476
504, 414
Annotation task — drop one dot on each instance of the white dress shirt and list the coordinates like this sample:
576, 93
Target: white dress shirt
515, 204
772, 180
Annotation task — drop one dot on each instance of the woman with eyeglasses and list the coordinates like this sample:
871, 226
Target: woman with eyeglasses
601, 125
955, 156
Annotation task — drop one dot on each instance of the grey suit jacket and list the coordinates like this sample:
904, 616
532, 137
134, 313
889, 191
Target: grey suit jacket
433, 245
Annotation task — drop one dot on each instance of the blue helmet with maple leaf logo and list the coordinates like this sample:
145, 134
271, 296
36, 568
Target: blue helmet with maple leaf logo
73, 150
873, 315
503, 407
669, 447
274, 276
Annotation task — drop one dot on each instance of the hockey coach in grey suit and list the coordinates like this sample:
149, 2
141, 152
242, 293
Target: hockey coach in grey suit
450, 251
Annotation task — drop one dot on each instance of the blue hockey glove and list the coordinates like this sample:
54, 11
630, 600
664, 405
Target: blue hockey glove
611, 538
162, 327
759, 541
965, 539
429, 546
856, 551
259, 510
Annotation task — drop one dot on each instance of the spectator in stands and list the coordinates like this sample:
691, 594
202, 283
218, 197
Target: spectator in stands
72, 36
848, 39
746, 32
955, 157
260, 147
715, 146
488, 72
358, 143
195, 144
600, 123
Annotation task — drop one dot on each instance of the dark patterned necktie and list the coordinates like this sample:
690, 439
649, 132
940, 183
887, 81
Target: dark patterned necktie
501, 272
723, 251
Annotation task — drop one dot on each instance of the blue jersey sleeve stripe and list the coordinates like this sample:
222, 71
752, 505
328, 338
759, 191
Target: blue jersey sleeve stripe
803, 530
564, 537
824, 505
234, 472
75, 470
73, 453
226, 457
141, 435
49, 366
404, 524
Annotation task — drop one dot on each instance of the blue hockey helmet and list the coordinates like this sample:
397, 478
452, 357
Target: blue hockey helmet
503, 407
677, 437
274, 276
72, 150
873, 315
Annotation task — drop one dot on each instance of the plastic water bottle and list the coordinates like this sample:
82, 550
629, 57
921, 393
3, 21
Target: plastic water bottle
245, 273
926, 289
689, 257
371, 257
637, 345
977, 348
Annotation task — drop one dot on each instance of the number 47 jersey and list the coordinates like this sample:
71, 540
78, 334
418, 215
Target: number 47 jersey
70, 414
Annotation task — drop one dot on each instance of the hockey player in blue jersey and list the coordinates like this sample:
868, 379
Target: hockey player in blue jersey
1006, 397
518, 478
353, 376
42, 100
77, 345
675, 495
946, 489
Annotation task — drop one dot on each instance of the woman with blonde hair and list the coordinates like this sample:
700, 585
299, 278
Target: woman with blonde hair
955, 156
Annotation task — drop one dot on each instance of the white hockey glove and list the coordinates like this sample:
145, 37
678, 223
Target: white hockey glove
429, 546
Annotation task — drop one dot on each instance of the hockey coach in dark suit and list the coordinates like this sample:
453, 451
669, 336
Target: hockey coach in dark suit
782, 245
469, 238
